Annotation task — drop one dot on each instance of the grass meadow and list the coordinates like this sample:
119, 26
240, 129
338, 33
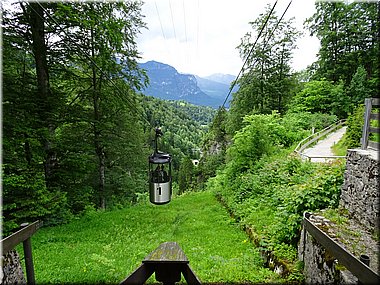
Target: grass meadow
105, 247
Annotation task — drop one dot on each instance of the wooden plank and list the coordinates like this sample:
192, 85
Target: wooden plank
14, 239
190, 276
374, 145
364, 273
365, 133
374, 116
375, 101
167, 252
27, 245
139, 276
374, 130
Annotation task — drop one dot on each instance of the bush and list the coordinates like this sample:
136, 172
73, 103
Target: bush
321, 96
355, 124
271, 197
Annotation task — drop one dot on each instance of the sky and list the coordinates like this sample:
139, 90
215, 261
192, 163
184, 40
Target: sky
200, 36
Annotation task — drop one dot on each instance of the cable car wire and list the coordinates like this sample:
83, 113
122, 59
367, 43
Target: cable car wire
184, 19
274, 29
171, 13
246, 59
134, 108
159, 19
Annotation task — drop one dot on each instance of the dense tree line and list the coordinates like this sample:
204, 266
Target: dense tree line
70, 132
76, 132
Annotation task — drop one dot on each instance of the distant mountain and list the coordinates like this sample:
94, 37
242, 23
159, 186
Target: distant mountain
217, 89
213, 88
167, 83
221, 78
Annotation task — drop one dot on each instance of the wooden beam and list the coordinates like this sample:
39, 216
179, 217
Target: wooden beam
139, 276
374, 130
375, 102
190, 276
364, 273
14, 239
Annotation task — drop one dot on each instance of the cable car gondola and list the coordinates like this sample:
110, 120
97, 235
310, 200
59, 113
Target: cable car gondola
160, 179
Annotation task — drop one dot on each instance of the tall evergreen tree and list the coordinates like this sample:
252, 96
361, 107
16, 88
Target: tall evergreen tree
349, 36
30, 119
266, 82
101, 35
68, 130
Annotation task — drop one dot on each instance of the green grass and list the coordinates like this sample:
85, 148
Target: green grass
340, 148
108, 246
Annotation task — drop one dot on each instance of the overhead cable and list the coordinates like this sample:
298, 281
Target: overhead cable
274, 29
249, 54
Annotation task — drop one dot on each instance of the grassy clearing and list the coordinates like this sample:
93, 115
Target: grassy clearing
108, 246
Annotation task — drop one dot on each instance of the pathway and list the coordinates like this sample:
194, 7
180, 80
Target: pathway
323, 147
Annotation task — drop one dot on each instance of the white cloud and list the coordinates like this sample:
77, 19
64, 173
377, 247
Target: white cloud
201, 36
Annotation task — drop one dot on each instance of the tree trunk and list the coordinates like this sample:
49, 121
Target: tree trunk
37, 25
99, 149
281, 71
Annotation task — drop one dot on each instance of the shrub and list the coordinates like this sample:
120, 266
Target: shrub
354, 127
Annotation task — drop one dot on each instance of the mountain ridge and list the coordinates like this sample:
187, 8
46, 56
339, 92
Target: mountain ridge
165, 82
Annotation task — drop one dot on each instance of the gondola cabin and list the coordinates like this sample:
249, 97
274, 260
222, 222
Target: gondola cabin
160, 179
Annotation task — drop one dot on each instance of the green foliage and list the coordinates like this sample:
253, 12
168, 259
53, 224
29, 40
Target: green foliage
253, 141
183, 124
347, 33
301, 123
83, 143
321, 96
271, 197
267, 189
267, 83
186, 175
264, 134
105, 247
209, 165
26, 199
358, 89
214, 147
354, 131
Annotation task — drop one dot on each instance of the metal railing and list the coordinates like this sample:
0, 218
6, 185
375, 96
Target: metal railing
315, 137
367, 128
23, 236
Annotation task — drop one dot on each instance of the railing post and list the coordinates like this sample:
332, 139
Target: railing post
27, 245
367, 120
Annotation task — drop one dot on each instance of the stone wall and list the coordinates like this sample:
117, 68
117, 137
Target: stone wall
360, 194
11, 270
320, 267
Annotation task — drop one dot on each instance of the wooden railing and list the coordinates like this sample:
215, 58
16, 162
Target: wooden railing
167, 261
357, 266
367, 128
314, 138
23, 236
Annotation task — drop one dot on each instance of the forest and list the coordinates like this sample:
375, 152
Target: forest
77, 128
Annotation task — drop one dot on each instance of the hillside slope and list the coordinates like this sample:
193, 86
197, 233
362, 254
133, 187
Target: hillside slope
108, 246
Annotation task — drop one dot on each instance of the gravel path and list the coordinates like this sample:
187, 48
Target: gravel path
323, 147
